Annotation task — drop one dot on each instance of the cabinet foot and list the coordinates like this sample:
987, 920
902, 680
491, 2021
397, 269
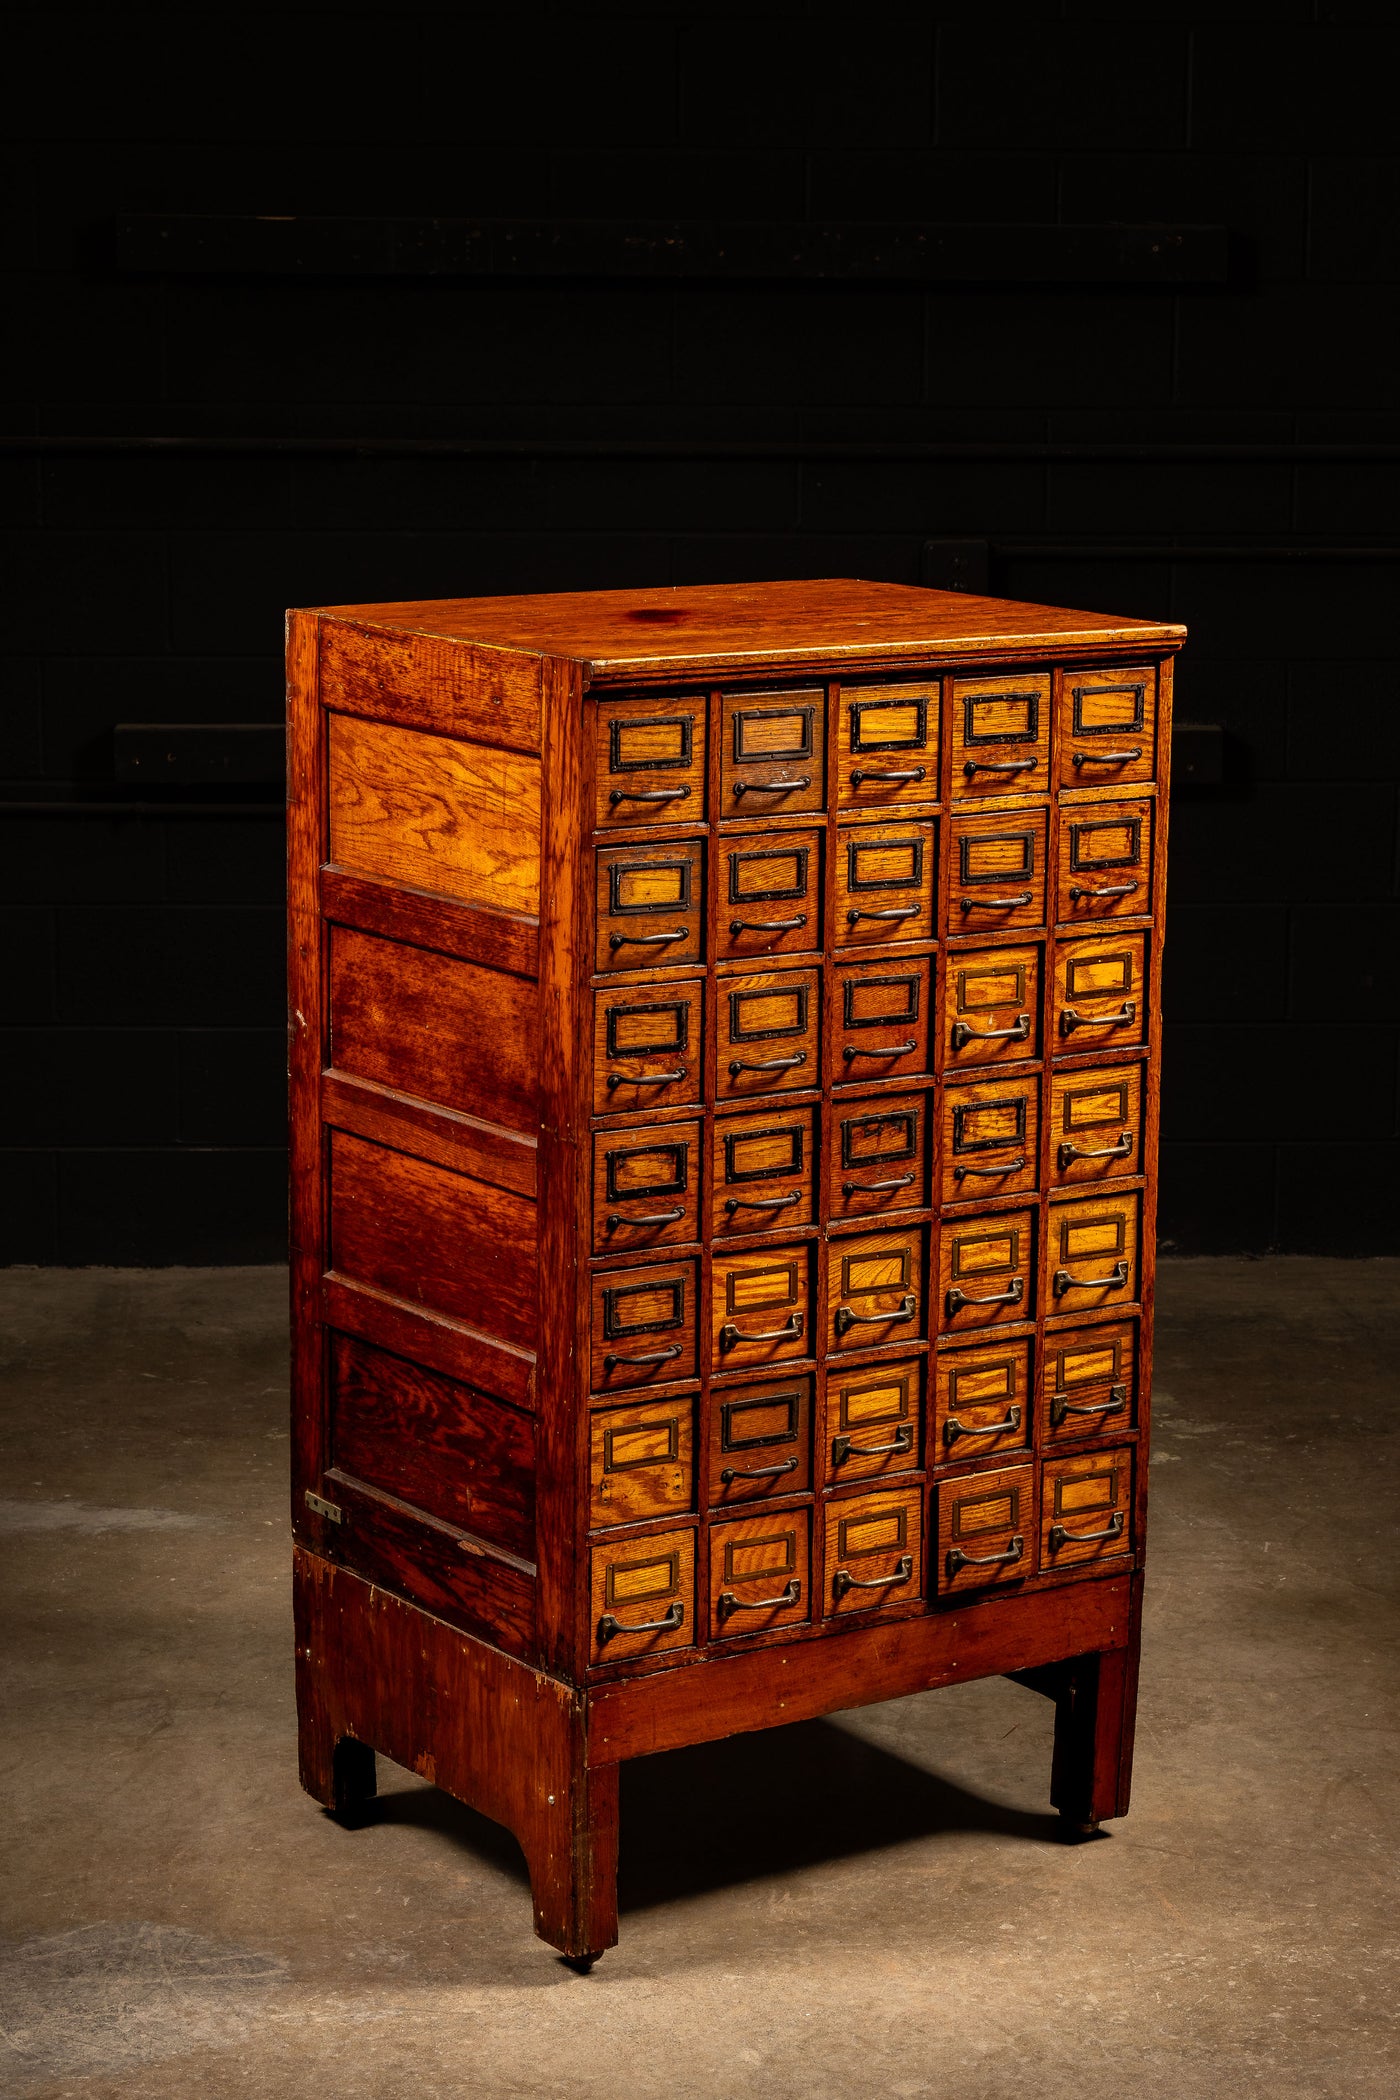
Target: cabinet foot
1094, 1706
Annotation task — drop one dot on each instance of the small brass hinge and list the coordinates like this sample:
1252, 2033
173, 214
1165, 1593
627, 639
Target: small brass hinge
321, 1508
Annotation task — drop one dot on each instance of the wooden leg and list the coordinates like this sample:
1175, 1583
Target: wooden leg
1092, 1770
572, 1858
336, 1769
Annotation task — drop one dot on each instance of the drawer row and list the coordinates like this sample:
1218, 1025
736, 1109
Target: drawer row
771, 893
651, 753
763, 1301
779, 1568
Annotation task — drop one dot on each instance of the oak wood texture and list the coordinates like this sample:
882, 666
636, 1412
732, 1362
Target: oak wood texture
1105, 869
886, 875
763, 1170
650, 904
760, 1573
1100, 1000
878, 1155
1086, 1507
760, 1306
770, 894
1088, 1382
648, 1046
772, 752
767, 1034
1091, 1253
874, 1420
1095, 1124
643, 1594
1108, 726
987, 1529
997, 871
650, 764
888, 746
645, 1322
983, 1403
646, 1186
993, 1007
875, 1290
991, 1138
642, 1461
986, 1271
882, 1014
999, 733
760, 1441
874, 1556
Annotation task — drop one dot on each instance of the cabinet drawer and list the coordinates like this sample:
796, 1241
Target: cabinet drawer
982, 1401
1108, 726
999, 731
985, 1269
879, 1159
986, 1529
647, 1046
646, 1186
991, 1135
993, 1007
1100, 992
764, 1169
1105, 860
882, 1020
642, 1592
643, 1330
886, 875
642, 1461
1095, 1124
768, 1033
651, 761
874, 1420
1091, 1253
1086, 1508
998, 871
770, 895
888, 756
875, 1290
1088, 1381
650, 905
760, 1441
774, 756
760, 1574
760, 1306
874, 1550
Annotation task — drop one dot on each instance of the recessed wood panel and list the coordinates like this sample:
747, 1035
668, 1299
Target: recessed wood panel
874, 1551
997, 879
642, 1461
992, 1007
982, 1403
1108, 726
650, 765
888, 745
886, 878
999, 731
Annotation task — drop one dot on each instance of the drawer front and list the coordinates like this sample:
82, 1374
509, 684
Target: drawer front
1100, 992
646, 1186
998, 872
1108, 726
767, 1033
760, 1441
647, 1046
999, 731
874, 1551
651, 903
1095, 1124
763, 1170
879, 1160
774, 756
881, 1020
875, 1290
644, 1323
1105, 860
874, 1420
760, 1306
651, 761
760, 1573
888, 757
993, 1007
982, 1403
642, 1461
886, 875
770, 895
986, 1268
986, 1529
1086, 1509
1088, 1381
991, 1132
642, 1592
1091, 1253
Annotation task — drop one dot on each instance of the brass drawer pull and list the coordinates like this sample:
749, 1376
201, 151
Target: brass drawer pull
733, 1473
994, 903
884, 1050
767, 925
766, 1064
784, 1202
958, 1559
1114, 1282
608, 1625
841, 1581
770, 787
617, 1079
957, 1299
727, 1602
964, 1033
844, 1447
1107, 889
680, 794
1070, 1020
895, 911
953, 1428
1122, 1150
730, 1336
905, 1310
647, 940
652, 1356
1060, 1537
1013, 1166
875, 1188
1061, 1405
864, 773
654, 1217
999, 765
1108, 758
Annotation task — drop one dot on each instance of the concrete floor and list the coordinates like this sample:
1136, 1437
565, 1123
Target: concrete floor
873, 1905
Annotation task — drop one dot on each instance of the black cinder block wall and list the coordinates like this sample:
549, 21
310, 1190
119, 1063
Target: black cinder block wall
1202, 424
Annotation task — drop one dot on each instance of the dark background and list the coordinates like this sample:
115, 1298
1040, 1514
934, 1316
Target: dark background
142, 954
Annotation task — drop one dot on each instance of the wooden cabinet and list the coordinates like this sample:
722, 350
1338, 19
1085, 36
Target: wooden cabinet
724, 1123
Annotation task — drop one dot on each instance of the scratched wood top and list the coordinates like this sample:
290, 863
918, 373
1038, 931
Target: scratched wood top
745, 629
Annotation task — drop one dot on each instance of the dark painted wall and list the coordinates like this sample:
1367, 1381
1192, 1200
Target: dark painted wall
141, 977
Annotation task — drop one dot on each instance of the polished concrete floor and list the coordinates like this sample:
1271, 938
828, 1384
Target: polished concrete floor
873, 1905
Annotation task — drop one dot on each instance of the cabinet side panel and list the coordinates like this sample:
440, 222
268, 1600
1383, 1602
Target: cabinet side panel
426, 682
305, 852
